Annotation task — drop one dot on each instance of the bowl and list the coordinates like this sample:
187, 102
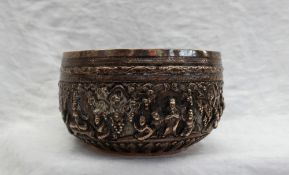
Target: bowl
141, 101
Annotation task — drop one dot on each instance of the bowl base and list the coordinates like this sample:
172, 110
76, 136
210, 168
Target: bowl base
150, 147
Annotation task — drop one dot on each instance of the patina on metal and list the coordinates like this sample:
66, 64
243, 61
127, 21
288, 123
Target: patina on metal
146, 101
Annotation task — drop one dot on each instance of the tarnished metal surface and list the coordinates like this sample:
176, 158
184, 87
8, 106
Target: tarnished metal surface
141, 101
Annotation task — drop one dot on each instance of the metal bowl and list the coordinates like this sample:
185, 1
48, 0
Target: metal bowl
147, 101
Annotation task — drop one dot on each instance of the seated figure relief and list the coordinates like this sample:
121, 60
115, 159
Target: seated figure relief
143, 131
157, 124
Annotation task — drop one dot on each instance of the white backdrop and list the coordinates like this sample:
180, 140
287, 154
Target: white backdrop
252, 35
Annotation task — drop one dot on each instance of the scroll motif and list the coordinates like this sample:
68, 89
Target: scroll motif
137, 69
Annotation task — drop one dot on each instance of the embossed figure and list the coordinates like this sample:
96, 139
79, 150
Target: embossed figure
129, 128
77, 118
118, 99
157, 123
117, 125
190, 125
143, 131
190, 97
172, 120
207, 115
152, 101
102, 130
146, 103
98, 115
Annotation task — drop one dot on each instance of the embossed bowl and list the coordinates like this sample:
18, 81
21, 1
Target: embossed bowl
150, 101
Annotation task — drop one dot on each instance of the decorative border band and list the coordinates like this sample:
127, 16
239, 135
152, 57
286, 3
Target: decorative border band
140, 69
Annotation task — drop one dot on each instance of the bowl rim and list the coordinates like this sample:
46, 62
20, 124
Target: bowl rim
154, 52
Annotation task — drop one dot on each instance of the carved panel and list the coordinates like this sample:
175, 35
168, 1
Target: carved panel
141, 117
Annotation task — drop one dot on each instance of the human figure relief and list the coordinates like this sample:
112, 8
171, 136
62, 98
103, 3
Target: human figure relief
157, 123
190, 97
129, 128
102, 130
146, 104
143, 131
76, 121
190, 125
172, 120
